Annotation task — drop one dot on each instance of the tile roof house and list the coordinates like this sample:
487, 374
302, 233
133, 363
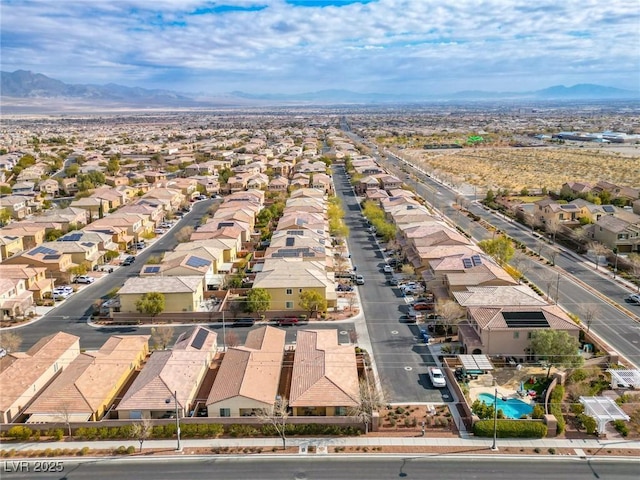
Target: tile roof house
182, 293
15, 299
86, 388
35, 278
249, 375
507, 330
286, 278
24, 374
617, 232
324, 381
503, 296
56, 262
179, 371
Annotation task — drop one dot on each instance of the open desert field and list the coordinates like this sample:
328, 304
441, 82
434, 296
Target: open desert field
532, 168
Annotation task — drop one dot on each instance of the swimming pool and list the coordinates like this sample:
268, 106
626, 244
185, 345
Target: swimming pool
512, 408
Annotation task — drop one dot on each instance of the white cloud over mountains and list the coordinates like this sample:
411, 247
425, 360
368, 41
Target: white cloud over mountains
276, 46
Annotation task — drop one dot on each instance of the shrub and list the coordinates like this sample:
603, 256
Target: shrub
538, 411
121, 450
20, 432
57, 434
510, 429
622, 427
537, 450
552, 451
242, 431
578, 375
131, 449
83, 451
555, 407
588, 422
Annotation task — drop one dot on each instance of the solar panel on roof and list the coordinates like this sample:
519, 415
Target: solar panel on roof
72, 237
476, 260
44, 250
197, 262
466, 262
525, 319
51, 257
201, 336
88, 244
154, 269
290, 241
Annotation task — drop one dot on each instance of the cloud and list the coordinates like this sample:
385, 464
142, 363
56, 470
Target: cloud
278, 45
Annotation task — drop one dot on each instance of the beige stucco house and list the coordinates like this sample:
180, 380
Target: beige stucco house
181, 293
324, 381
178, 371
24, 374
86, 388
249, 376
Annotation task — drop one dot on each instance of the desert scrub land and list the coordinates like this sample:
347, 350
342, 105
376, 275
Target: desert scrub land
532, 168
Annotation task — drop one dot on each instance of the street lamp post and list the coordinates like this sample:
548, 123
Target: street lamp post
168, 400
494, 447
615, 267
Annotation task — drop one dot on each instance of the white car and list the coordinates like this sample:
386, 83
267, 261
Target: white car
61, 293
387, 269
359, 280
437, 377
85, 279
633, 298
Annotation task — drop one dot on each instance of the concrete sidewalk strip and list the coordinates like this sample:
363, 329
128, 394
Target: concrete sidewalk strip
271, 442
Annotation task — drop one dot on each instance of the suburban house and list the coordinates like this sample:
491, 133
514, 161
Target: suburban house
15, 299
31, 234
24, 374
56, 262
35, 278
324, 381
181, 293
183, 265
249, 375
618, 232
10, 245
502, 296
104, 241
49, 187
302, 243
592, 212
286, 278
179, 371
86, 388
507, 330
548, 211
82, 253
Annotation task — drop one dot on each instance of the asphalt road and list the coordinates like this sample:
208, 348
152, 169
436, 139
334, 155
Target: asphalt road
328, 467
401, 358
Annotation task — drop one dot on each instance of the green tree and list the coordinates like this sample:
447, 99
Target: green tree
71, 170
151, 303
313, 302
258, 300
556, 347
113, 166
501, 249
5, 216
53, 235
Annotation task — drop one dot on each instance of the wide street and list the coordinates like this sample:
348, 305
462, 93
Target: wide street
334, 467
401, 358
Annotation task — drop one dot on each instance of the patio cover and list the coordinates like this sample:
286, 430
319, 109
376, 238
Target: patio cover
604, 410
476, 362
625, 378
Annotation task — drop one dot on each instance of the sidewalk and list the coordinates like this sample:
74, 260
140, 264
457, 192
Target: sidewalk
364, 441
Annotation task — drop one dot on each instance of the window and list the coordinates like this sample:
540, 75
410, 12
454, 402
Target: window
341, 411
529, 335
516, 335
225, 412
289, 291
288, 305
299, 290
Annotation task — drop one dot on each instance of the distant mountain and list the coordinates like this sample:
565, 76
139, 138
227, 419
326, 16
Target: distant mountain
25, 84
28, 88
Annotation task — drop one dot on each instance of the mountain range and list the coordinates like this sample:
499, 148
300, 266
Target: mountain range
23, 84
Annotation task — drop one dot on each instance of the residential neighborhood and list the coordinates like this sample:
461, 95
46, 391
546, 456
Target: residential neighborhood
235, 285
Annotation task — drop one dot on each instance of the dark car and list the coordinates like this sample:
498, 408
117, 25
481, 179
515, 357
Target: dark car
128, 261
244, 322
422, 306
287, 321
343, 287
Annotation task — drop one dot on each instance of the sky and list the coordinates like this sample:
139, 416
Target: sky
299, 46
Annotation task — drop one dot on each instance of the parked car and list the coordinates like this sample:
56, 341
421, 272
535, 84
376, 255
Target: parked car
387, 269
634, 298
140, 245
422, 306
287, 321
393, 281
343, 287
359, 280
244, 322
128, 261
437, 377
61, 293
84, 279
159, 231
